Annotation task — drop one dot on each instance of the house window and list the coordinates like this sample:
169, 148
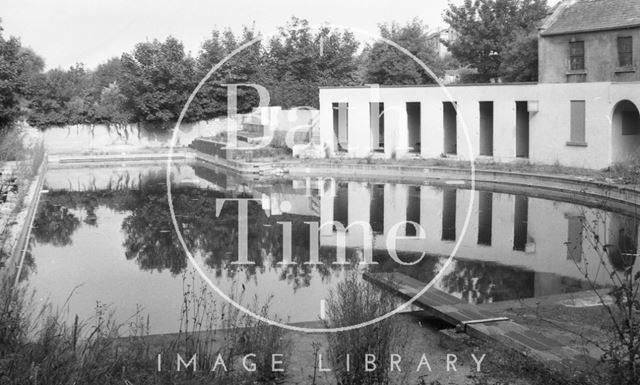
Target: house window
576, 55
625, 51
578, 122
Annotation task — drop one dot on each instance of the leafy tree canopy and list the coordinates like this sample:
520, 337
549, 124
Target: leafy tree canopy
386, 64
60, 97
152, 83
299, 60
243, 67
496, 36
158, 78
17, 65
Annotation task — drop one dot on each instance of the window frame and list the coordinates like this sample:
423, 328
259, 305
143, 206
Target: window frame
573, 55
628, 54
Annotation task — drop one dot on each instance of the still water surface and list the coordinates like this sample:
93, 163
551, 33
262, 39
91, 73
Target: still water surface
104, 236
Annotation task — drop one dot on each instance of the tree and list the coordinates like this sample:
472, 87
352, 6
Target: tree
209, 102
490, 32
17, 66
30, 65
244, 67
60, 98
9, 85
105, 75
385, 64
520, 59
338, 63
109, 103
111, 108
157, 80
298, 61
55, 225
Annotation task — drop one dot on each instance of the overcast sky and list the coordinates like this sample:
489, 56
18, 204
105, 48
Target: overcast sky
65, 32
90, 31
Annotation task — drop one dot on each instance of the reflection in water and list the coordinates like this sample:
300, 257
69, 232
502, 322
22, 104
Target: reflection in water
449, 215
485, 217
55, 224
109, 230
622, 244
575, 237
341, 204
520, 223
413, 210
376, 211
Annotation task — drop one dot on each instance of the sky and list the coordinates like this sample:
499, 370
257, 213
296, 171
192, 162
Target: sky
91, 32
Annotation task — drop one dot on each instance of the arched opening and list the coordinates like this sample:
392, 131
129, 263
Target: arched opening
626, 131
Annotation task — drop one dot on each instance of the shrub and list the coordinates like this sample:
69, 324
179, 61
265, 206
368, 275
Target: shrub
40, 348
354, 301
622, 323
628, 170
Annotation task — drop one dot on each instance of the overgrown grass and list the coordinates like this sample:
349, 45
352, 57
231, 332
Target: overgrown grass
352, 302
210, 329
39, 348
523, 166
17, 146
628, 170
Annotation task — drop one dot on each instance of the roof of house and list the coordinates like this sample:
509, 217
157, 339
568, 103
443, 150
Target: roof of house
575, 16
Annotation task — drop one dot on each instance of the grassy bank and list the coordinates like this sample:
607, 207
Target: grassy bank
38, 347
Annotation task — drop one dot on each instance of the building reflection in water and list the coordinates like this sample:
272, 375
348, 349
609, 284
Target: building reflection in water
515, 246
547, 239
485, 217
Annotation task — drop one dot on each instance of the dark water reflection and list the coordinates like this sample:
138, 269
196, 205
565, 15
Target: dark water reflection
106, 234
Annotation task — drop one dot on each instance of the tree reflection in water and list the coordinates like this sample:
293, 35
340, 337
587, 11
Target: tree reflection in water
55, 224
151, 241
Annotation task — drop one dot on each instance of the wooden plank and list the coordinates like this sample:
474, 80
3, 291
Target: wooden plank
436, 301
453, 310
408, 286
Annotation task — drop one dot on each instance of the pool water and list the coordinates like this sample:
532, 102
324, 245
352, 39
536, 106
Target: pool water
104, 236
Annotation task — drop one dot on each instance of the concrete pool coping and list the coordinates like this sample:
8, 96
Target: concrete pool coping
373, 171
567, 188
571, 189
18, 236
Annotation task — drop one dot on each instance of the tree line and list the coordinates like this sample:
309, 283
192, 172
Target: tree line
151, 83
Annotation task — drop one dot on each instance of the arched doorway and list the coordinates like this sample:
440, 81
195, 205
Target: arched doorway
625, 121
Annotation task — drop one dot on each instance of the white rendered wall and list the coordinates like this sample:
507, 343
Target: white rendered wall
549, 127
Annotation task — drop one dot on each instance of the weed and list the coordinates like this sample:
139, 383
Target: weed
42, 349
354, 301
